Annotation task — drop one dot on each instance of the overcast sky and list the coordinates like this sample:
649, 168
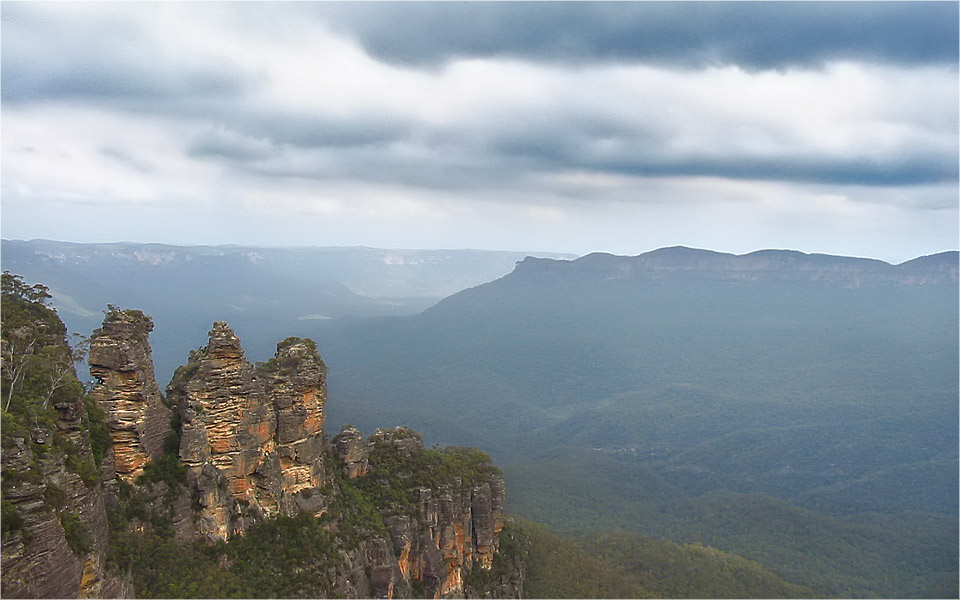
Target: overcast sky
622, 127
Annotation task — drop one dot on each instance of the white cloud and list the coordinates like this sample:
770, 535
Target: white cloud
319, 136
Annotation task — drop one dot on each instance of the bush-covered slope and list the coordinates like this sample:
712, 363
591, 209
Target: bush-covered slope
622, 382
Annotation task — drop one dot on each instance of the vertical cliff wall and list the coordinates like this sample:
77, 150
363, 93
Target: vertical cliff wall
122, 363
55, 531
443, 509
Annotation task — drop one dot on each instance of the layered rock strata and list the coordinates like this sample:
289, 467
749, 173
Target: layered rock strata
405, 521
58, 547
295, 382
121, 360
252, 439
449, 528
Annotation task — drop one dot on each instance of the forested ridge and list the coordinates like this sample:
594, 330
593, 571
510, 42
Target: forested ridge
803, 418
124, 536
798, 410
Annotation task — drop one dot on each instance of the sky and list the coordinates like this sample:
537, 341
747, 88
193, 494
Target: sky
549, 126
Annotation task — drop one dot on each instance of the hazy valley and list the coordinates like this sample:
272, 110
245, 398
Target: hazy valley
797, 410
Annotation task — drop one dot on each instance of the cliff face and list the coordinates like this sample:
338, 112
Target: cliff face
252, 440
60, 548
55, 531
121, 360
242, 446
444, 514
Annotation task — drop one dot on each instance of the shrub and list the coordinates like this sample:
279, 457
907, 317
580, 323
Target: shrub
10, 517
100, 439
75, 531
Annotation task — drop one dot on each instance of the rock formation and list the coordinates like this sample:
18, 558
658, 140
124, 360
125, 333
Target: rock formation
121, 361
353, 452
246, 444
251, 439
451, 522
55, 531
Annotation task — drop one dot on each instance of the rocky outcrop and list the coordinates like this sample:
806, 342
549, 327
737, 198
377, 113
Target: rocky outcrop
446, 524
251, 439
121, 361
353, 452
246, 444
227, 431
57, 545
295, 382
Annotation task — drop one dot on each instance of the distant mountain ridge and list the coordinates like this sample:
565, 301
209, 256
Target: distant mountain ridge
364, 271
759, 265
265, 293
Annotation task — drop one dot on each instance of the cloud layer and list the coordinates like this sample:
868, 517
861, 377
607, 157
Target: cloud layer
538, 126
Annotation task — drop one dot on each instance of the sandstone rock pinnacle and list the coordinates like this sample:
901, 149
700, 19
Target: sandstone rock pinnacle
121, 360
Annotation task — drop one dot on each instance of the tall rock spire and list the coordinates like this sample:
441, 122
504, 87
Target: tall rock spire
121, 360
252, 439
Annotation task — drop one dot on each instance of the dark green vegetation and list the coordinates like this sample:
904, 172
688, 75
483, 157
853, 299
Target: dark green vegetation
292, 557
822, 395
624, 565
670, 570
39, 381
38, 364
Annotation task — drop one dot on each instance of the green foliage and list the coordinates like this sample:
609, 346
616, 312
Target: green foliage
142, 324
394, 480
54, 496
559, 568
287, 365
37, 362
10, 518
77, 461
357, 506
13, 286
130, 505
581, 492
168, 467
286, 557
671, 570
185, 372
75, 532
100, 440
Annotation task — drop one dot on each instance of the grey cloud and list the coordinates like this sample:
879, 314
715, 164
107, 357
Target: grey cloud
230, 145
254, 136
51, 59
127, 67
906, 171
506, 155
138, 164
755, 35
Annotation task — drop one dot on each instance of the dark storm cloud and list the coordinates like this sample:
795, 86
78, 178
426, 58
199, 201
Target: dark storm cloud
754, 35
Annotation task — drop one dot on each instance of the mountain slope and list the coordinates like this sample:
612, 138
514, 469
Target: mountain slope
827, 382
